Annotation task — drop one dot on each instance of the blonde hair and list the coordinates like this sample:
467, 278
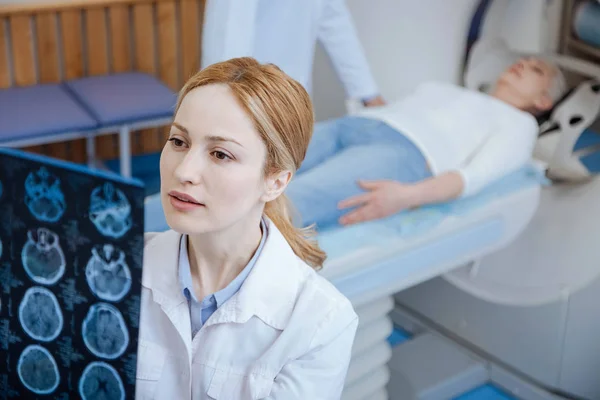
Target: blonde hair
283, 116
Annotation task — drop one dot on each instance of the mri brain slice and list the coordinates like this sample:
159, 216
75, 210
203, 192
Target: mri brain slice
40, 314
100, 381
105, 332
42, 256
37, 370
107, 274
43, 196
110, 211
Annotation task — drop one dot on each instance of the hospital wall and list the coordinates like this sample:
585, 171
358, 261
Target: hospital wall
408, 42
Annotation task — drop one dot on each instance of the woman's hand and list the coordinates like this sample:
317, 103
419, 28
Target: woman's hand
382, 199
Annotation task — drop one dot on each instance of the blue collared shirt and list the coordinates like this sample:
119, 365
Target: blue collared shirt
200, 311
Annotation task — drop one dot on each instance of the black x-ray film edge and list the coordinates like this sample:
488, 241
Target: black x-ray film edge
78, 231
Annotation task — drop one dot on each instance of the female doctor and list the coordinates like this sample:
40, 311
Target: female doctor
232, 307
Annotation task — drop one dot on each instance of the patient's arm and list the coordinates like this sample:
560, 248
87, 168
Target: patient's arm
506, 151
445, 187
385, 198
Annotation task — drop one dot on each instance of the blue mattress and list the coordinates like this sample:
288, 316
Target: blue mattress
384, 270
337, 242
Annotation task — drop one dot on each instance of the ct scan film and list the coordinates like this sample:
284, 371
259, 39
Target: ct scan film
71, 248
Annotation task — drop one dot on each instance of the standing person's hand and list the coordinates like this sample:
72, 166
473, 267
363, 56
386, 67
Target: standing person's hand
377, 101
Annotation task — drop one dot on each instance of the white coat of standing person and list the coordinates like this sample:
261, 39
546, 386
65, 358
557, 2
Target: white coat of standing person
285, 33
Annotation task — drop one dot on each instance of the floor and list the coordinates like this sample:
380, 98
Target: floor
487, 392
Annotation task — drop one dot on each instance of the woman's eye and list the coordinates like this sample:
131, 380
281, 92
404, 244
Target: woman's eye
221, 156
177, 142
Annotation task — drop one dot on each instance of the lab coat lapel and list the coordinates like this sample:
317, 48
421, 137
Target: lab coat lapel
161, 257
270, 289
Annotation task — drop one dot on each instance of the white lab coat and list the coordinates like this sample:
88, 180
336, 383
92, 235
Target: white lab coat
286, 334
285, 32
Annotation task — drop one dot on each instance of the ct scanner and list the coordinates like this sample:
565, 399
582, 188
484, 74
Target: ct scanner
531, 307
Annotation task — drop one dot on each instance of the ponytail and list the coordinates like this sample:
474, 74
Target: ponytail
301, 240
283, 115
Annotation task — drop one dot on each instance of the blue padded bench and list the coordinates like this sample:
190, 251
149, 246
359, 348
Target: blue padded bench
85, 107
42, 114
125, 102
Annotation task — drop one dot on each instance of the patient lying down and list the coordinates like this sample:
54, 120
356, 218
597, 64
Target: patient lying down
438, 144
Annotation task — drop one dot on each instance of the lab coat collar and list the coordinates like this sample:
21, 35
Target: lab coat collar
161, 257
269, 292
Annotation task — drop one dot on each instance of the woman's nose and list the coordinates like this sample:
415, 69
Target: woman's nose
190, 169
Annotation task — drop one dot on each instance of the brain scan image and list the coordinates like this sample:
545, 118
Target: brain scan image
40, 314
104, 331
100, 381
110, 211
37, 370
43, 258
43, 196
107, 273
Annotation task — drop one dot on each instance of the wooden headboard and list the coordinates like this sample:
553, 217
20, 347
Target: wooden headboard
52, 42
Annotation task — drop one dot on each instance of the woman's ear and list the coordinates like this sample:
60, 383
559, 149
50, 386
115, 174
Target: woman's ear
275, 185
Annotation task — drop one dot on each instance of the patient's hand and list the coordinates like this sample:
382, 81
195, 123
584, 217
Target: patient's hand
382, 199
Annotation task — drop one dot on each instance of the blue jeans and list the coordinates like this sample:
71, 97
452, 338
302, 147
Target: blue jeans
343, 151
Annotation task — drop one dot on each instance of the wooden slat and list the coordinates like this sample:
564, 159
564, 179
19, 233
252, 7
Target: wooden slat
120, 38
71, 28
190, 39
97, 42
144, 141
144, 35
120, 44
169, 61
4, 63
201, 12
72, 43
22, 50
167, 44
22, 57
48, 67
47, 48
97, 64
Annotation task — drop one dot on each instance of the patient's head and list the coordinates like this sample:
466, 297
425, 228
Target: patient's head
531, 84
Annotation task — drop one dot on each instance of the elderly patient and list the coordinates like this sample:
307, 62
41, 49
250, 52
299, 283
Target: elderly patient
440, 143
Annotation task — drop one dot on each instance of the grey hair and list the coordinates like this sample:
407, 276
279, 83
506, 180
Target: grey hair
558, 86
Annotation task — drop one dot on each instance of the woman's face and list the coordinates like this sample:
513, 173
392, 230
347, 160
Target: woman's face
531, 79
211, 168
